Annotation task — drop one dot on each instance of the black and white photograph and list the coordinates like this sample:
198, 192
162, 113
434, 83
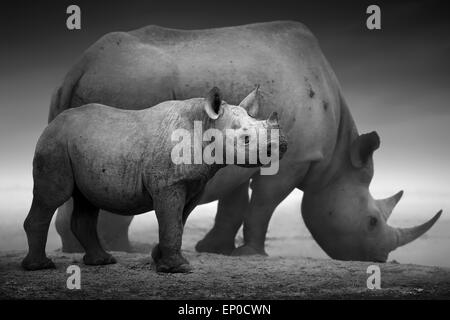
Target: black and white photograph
237, 151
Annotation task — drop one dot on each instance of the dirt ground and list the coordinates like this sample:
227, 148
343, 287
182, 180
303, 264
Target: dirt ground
221, 277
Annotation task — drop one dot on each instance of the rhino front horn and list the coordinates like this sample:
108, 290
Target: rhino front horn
406, 235
273, 119
387, 205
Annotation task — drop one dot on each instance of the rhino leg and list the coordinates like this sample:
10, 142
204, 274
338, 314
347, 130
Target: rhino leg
229, 218
156, 251
70, 244
53, 185
169, 205
267, 193
112, 229
84, 227
36, 227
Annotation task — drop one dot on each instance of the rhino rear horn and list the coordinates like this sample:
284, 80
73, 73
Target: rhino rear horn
387, 205
251, 102
273, 119
363, 147
213, 106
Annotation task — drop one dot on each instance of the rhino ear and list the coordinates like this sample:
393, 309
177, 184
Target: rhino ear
363, 147
213, 105
251, 102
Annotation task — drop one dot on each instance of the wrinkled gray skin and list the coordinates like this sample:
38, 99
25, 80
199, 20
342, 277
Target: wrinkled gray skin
120, 161
327, 158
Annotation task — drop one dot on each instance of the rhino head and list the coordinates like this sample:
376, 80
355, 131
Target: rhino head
247, 141
343, 217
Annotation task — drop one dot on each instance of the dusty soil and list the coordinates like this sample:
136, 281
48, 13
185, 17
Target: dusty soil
221, 277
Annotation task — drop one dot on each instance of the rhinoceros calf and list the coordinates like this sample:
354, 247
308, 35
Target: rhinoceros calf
121, 161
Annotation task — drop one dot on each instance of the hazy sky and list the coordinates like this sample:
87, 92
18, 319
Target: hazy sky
395, 80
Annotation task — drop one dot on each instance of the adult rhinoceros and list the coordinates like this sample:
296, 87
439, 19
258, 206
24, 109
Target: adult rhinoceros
327, 159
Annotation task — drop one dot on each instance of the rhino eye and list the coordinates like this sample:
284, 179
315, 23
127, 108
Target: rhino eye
373, 222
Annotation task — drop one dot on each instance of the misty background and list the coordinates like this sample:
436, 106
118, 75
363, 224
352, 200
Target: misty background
395, 80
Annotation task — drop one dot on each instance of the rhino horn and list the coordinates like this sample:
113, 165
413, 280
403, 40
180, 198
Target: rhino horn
252, 102
406, 235
273, 119
388, 204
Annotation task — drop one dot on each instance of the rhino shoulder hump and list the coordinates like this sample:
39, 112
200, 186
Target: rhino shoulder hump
111, 39
157, 35
293, 28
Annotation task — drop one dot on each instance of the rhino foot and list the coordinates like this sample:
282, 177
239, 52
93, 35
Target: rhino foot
182, 268
247, 250
37, 264
98, 260
213, 245
172, 264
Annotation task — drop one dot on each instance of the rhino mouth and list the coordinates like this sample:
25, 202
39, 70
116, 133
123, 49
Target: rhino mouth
380, 258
